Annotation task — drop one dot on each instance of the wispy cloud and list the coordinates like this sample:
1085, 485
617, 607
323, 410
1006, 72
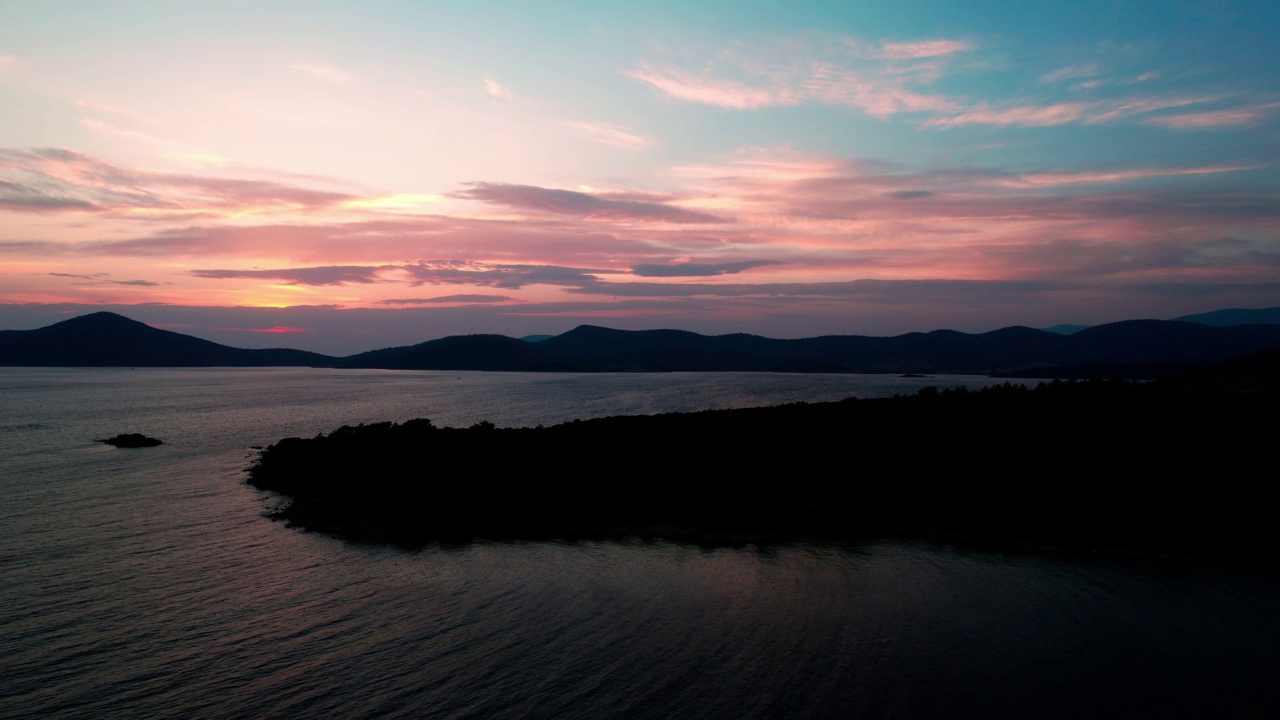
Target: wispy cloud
451, 299
611, 134
1071, 72
38, 198
692, 269
1062, 113
767, 226
500, 275
101, 279
710, 91
103, 128
891, 79
581, 205
922, 49
91, 276
125, 113
165, 147
1108, 112
328, 73
52, 179
820, 84
1021, 116
495, 88
1047, 179
1215, 118
333, 275
878, 79
914, 291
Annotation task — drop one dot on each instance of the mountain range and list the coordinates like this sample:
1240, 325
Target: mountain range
1133, 348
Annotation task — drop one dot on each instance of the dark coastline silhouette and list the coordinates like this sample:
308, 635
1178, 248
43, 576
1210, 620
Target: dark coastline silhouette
1178, 467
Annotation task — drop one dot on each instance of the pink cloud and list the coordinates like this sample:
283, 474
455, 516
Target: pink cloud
875, 79
451, 299
695, 269
888, 79
582, 205
562, 241
496, 89
922, 49
278, 330
302, 276
803, 229
61, 179
611, 134
1036, 115
1214, 118
1116, 176
509, 276
877, 99
878, 91
1140, 106
709, 91
1022, 116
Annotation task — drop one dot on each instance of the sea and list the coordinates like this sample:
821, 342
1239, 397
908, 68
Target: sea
150, 583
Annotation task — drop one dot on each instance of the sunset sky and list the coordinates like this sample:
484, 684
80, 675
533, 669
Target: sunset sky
346, 176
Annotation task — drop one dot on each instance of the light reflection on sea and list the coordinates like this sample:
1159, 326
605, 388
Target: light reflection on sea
147, 583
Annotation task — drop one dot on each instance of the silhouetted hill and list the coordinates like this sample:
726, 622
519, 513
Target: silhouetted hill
1139, 348
462, 352
106, 339
1170, 467
1135, 349
1236, 316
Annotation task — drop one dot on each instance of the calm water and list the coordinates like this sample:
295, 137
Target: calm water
147, 583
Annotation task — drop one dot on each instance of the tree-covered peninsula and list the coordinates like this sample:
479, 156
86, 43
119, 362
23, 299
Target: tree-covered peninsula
1182, 467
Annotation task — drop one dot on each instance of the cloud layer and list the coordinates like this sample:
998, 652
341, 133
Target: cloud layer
1016, 168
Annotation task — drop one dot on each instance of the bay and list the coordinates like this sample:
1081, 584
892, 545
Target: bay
149, 583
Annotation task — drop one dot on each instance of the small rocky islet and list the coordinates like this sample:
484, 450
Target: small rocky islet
132, 440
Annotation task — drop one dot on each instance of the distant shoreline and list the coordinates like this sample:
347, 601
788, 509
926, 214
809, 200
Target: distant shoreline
1131, 349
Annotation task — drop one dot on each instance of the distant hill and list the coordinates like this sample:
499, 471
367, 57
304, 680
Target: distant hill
1236, 316
1134, 348
106, 339
1141, 348
461, 352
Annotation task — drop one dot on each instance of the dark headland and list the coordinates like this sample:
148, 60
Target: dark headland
1181, 466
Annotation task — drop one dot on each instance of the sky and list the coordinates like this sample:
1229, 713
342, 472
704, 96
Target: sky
341, 177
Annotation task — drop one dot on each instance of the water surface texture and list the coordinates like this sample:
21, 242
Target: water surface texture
148, 583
